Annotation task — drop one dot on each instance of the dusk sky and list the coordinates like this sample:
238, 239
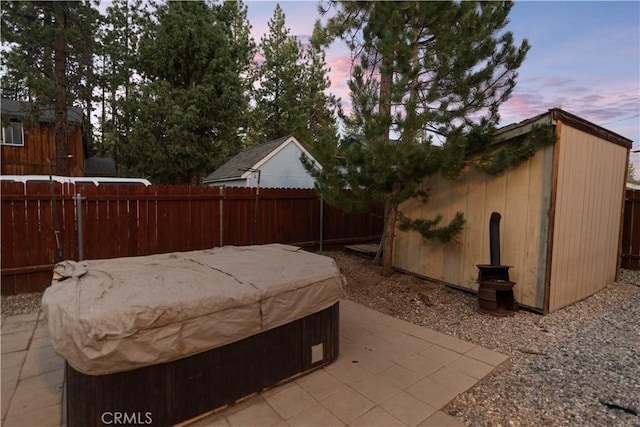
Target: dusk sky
585, 59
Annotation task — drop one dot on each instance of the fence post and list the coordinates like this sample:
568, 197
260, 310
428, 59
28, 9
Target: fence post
221, 192
78, 200
321, 221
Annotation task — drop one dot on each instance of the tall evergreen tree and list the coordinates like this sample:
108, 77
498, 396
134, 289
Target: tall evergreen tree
189, 102
118, 55
278, 111
431, 73
291, 95
233, 16
320, 108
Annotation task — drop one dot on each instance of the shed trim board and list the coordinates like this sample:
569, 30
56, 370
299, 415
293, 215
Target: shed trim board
559, 217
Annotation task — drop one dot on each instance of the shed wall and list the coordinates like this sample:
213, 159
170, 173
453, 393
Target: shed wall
588, 209
521, 196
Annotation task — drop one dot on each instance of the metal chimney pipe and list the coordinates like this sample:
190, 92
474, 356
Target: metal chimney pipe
494, 238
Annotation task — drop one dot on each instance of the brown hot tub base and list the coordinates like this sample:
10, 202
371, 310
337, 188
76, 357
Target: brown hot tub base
173, 392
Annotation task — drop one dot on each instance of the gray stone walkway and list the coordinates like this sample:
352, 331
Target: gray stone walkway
389, 373
32, 373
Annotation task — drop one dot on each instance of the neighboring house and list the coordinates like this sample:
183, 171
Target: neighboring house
100, 166
561, 216
275, 164
28, 140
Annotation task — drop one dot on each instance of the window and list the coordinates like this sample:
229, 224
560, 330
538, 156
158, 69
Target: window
13, 134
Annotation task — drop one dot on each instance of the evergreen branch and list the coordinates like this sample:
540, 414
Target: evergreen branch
429, 229
494, 162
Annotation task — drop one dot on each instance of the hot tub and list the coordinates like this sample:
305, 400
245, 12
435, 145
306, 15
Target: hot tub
164, 338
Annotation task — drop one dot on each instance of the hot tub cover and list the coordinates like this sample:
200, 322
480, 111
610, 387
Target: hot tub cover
120, 314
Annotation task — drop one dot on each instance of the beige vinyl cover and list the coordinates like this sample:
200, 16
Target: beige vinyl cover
120, 314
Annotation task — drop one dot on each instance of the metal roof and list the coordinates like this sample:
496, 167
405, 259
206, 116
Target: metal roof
510, 131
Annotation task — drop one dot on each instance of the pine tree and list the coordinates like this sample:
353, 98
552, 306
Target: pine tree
233, 16
431, 74
291, 96
189, 102
320, 107
278, 110
118, 52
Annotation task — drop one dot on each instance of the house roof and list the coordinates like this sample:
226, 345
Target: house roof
44, 113
99, 166
237, 166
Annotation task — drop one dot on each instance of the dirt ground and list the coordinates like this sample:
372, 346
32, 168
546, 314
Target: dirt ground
400, 295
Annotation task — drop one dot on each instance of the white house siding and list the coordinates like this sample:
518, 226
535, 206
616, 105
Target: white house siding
283, 169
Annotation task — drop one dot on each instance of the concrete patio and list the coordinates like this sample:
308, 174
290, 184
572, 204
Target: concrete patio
389, 373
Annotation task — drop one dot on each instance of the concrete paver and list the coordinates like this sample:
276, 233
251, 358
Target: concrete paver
408, 409
389, 373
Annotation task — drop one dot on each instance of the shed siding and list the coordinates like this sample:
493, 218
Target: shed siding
590, 176
521, 196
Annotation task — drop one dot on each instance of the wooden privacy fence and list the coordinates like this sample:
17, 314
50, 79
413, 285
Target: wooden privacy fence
631, 231
123, 220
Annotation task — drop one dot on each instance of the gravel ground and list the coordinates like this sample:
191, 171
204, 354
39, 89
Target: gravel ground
20, 304
576, 367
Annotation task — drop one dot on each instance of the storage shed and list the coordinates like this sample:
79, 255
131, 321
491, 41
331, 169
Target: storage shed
561, 216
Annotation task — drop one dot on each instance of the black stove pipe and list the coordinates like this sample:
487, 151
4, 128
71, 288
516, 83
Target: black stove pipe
494, 238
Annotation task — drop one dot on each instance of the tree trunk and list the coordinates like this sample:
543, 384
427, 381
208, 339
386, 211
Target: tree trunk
194, 177
60, 77
384, 114
390, 230
384, 106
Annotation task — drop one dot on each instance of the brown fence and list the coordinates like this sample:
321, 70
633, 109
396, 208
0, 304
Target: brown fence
126, 220
631, 231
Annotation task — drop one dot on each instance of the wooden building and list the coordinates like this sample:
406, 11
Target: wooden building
561, 217
28, 139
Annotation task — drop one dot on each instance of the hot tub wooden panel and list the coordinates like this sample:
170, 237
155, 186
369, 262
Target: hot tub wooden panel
177, 391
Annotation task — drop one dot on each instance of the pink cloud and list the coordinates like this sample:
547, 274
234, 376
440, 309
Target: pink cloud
259, 58
339, 74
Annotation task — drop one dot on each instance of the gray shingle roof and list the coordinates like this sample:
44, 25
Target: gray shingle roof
44, 113
237, 165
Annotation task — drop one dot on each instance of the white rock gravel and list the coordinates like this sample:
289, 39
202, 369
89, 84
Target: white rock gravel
579, 366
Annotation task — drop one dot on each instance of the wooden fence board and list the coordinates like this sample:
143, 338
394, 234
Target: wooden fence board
68, 225
90, 222
631, 231
133, 221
